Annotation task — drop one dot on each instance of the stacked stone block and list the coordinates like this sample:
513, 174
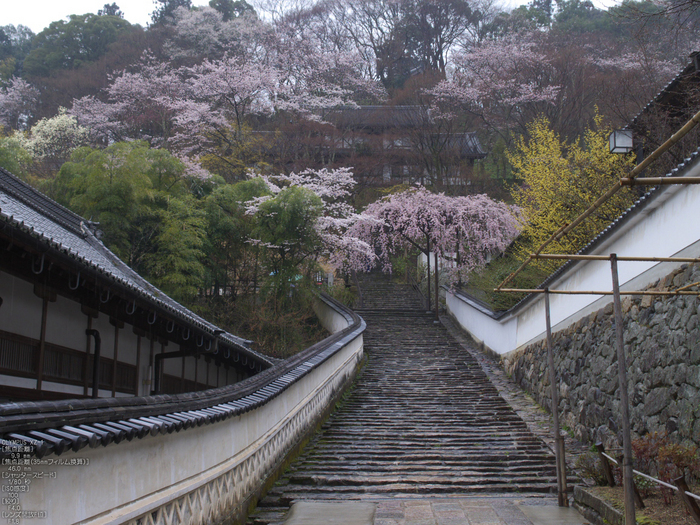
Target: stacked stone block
662, 345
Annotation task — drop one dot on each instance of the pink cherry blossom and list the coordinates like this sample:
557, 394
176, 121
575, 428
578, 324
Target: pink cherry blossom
464, 230
16, 102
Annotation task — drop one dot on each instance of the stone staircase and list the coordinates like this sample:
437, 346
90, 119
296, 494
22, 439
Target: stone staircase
380, 294
422, 420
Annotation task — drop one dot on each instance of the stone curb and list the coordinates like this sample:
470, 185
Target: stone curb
594, 509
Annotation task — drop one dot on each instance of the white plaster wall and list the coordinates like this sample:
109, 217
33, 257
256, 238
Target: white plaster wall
329, 319
128, 344
173, 366
66, 324
127, 476
496, 334
20, 312
667, 227
201, 370
18, 382
189, 368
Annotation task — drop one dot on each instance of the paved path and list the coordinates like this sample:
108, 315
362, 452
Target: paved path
454, 511
423, 433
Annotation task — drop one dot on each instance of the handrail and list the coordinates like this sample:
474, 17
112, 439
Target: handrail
38, 423
651, 478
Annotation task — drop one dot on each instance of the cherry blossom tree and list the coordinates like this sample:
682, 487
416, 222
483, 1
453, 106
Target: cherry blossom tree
16, 103
465, 231
314, 79
203, 111
140, 105
501, 83
206, 32
224, 93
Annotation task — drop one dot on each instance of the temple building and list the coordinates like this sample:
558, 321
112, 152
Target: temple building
75, 321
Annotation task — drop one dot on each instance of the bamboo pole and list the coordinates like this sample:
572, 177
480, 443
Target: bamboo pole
558, 444
599, 292
687, 127
683, 288
576, 257
690, 504
624, 398
659, 181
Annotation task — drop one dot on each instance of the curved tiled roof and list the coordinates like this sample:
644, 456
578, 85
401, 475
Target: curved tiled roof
54, 427
668, 87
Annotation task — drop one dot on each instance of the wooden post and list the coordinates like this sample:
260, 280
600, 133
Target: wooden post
42, 343
562, 468
95, 362
437, 289
86, 367
151, 362
605, 462
115, 359
558, 440
138, 365
624, 398
690, 503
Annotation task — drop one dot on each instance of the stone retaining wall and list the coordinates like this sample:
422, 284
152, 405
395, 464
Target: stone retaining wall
662, 344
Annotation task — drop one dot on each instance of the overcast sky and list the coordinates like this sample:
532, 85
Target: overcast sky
38, 14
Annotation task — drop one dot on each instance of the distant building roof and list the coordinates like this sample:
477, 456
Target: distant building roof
378, 117
54, 227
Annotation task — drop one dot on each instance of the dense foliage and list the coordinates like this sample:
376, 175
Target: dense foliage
560, 181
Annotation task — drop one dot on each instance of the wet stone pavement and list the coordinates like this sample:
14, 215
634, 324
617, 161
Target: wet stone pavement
440, 512
433, 433
473, 511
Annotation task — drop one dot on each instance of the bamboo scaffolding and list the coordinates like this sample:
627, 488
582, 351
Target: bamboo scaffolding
559, 450
566, 228
627, 474
628, 181
688, 286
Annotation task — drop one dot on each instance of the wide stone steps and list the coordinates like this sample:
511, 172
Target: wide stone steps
423, 419
380, 294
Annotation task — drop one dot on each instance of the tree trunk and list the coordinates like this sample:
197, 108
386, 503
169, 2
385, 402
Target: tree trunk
437, 289
427, 257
